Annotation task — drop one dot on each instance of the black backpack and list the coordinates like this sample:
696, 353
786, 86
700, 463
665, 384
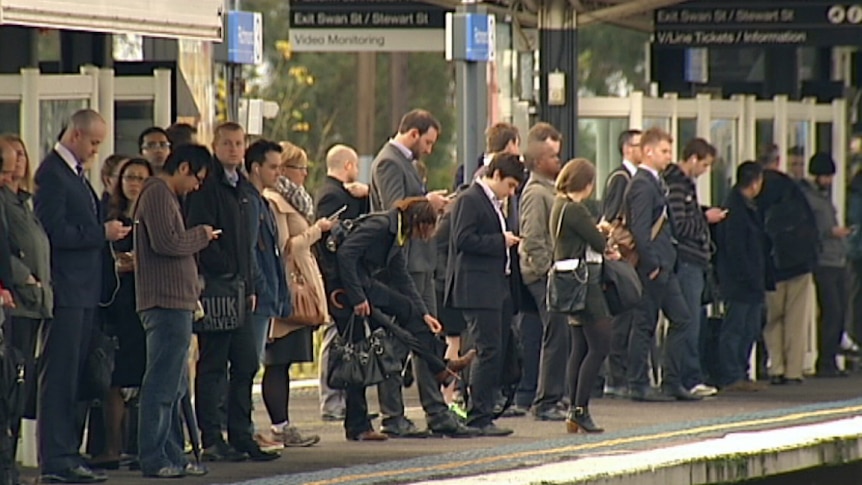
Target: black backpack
791, 228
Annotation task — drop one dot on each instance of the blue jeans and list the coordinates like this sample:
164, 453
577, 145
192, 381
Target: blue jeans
739, 331
166, 379
691, 282
261, 332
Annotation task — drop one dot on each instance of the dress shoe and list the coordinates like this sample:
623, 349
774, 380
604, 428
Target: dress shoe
650, 395
78, 474
255, 453
579, 419
680, 394
369, 435
104, 464
167, 472
551, 414
402, 428
223, 452
492, 430
450, 427
454, 366
510, 412
332, 417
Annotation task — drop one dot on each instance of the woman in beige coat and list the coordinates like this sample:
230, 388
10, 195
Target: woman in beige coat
294, 209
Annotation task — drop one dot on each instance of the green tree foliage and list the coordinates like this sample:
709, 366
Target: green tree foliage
611, 60
317, 95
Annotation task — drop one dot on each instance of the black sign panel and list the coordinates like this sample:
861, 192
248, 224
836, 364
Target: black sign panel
365, 14
759, 23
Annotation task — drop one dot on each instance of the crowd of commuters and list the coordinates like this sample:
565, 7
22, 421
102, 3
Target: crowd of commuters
468, 276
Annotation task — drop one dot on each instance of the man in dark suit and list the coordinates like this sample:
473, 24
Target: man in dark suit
480, 256
394, 177
69, 210
647, 216
340, 189
613, 204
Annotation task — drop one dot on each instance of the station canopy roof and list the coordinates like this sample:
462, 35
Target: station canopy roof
634, 14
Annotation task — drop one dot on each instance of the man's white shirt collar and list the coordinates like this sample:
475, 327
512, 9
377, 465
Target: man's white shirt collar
651, 170
68, 157
632, 168
403, 149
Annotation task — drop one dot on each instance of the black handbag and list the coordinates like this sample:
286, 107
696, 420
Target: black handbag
567, 287
364, 362
96, 379
224, 303
622, 286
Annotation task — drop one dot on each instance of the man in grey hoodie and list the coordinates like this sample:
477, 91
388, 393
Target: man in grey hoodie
830, 275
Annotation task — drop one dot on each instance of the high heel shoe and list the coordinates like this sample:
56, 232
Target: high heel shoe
579, 419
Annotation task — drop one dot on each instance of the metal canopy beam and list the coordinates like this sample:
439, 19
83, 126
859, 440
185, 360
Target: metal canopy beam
623, 10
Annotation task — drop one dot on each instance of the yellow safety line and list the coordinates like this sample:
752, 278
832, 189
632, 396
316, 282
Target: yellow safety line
589, 446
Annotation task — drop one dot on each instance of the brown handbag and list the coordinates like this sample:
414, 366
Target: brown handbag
306, 305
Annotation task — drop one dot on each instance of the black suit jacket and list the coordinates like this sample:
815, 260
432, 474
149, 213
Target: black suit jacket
332, 196
645, 204
71, 214
475, 272
369, 253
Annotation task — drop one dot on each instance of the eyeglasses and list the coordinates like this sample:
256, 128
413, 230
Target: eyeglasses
154, 145
297, 167
133, 178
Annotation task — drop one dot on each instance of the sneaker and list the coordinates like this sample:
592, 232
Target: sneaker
290, 437
268, 442
457, 410
702, 390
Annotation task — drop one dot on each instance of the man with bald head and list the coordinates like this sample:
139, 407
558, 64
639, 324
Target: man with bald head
339, 189
70, 212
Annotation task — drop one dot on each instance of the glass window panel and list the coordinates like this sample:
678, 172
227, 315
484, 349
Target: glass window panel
798, 135
686, 131
597, 142
723, 137
663, 123
131, 118
763, 134
53, 115
10, 117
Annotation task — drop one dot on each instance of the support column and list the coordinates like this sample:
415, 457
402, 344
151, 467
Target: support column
366, 103
558, 60
471, 100
399, 88
25, 52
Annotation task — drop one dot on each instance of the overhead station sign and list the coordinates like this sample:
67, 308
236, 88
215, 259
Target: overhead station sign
366, 26
759, 23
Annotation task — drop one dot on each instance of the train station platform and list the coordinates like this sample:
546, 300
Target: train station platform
712, 441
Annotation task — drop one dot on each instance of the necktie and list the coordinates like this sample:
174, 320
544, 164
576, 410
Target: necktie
80, 170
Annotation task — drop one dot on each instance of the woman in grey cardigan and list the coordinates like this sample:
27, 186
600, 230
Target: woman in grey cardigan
31, 265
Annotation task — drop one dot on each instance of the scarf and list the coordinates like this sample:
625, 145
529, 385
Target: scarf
297, 196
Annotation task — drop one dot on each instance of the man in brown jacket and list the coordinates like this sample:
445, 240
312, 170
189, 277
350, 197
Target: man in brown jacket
167, 290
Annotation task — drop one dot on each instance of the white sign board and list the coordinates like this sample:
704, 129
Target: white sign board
367, 40
195, 19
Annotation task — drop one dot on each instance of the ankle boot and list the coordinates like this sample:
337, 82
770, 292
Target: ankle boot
579, 420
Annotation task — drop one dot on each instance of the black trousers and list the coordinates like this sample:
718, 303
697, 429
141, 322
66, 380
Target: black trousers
22, 332
488, 330
618, 357
64, 352
226, 365
832, 296
421, 342
663, 294
390, 395
556, 348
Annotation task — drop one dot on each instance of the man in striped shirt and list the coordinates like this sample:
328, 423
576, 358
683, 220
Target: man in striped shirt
167, 291
691, 229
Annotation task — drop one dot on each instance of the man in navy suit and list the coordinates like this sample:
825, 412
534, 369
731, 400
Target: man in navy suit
647, 214
481, 255
69, 210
